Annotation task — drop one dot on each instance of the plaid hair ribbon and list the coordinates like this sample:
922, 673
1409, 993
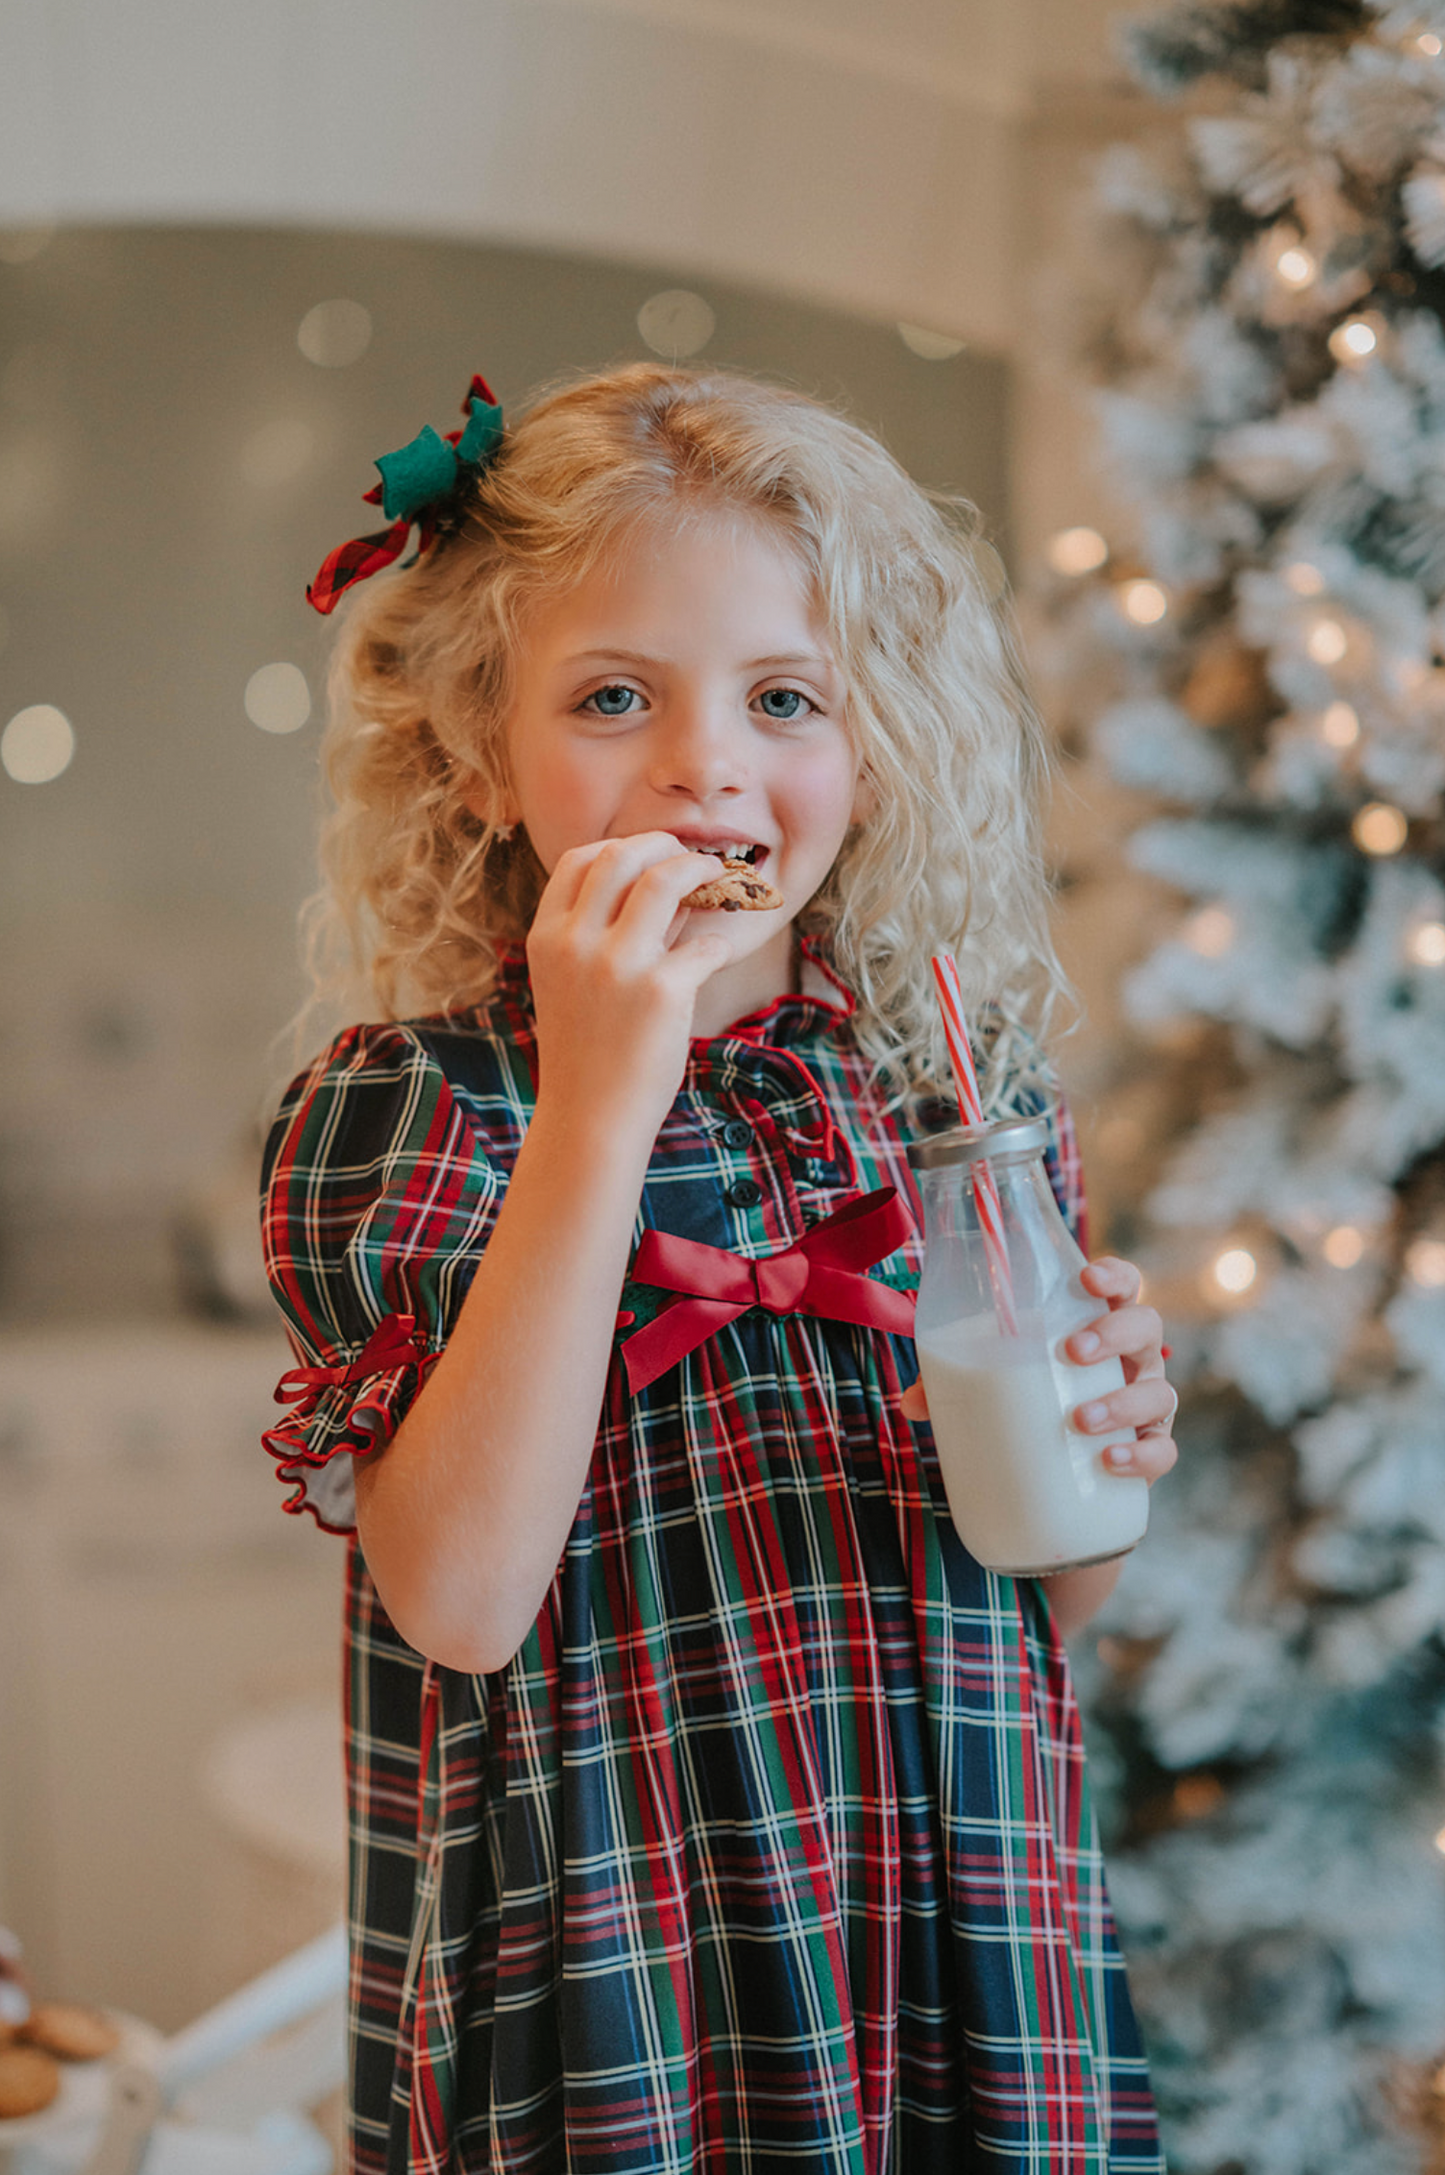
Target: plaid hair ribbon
419, 483
822, 1275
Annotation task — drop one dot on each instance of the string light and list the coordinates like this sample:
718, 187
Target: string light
1076, 551
1380, 828
1340, 727
1327, 641
1235, 1269
1144, 602
1425, 1262
1354, 341
1295, 266
1210, 932
1304, 579
1425, 945
1343, 1246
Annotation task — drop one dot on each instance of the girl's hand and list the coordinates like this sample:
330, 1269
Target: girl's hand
1147, 1403
613, 983
1134, 1334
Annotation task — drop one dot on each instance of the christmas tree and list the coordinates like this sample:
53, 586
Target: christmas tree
1264, 656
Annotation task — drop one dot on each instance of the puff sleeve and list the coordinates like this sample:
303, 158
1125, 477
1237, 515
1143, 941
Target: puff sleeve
377, 1201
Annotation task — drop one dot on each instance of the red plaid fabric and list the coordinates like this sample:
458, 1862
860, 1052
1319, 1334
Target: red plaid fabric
771, 1848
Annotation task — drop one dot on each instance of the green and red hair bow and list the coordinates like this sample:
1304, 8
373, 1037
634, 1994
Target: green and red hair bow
420, 485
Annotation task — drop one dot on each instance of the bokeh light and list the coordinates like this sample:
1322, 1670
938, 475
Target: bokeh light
22, 245
1428, 44
1144, 602
1354, 340
1380, 828
1235, 1269
1304, 579
1295, 266
1210, 932
931, 346
1425, 945
37, 744
1340, 727
278, 699
676, 322
1343, 1246
1425, 1262
333, 334
1327, 642
1076, 551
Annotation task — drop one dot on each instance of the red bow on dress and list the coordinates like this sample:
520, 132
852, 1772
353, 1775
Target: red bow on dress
820, 1275
392, 1344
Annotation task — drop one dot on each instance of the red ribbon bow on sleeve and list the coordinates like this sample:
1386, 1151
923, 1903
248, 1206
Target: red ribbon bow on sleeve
820, 1275
393, 1344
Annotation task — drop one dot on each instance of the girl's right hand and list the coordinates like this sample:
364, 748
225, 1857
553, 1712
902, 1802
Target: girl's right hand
613, 985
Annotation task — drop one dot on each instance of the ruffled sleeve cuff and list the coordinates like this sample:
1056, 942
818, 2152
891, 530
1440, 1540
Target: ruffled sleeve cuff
341, 1412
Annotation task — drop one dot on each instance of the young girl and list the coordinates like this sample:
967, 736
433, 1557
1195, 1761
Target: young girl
711, 1809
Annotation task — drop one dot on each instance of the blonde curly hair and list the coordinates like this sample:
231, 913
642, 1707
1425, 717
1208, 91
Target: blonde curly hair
419, 893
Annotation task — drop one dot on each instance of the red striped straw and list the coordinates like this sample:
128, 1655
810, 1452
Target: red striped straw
970, 1109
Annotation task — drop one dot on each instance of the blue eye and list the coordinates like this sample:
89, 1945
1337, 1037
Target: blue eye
614, 701
783, 702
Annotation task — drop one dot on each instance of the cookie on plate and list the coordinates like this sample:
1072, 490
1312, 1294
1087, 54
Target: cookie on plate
29, 2080
69, 2032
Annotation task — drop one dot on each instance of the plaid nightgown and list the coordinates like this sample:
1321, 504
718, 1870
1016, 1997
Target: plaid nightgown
771, 1849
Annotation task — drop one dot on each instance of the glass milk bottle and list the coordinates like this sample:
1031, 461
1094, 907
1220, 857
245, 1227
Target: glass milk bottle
1029, 1492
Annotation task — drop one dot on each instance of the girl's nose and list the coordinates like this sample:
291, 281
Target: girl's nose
700, 754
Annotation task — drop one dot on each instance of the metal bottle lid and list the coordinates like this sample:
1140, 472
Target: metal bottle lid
966, 1143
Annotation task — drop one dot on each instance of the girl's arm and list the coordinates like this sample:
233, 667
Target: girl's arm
465, 1513
1147, 1402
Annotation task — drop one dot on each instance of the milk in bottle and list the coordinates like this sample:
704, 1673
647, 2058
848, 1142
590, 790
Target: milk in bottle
1027, 1491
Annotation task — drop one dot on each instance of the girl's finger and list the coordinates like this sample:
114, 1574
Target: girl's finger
1111, 1278
614, 871
1131, 1332
913, 1404
1150, 1403
1149, 1458
650, 913
561, 890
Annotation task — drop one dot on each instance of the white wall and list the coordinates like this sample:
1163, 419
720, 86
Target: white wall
859, 155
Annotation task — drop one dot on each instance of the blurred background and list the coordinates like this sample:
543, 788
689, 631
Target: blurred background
244, 252
1167, 309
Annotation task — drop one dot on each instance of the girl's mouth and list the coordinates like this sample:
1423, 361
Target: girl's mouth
735, 850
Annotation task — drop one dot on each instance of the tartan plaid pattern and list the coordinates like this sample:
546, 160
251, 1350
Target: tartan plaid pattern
352, 562
771, 1849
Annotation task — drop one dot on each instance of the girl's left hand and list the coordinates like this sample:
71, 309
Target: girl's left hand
1134, 1335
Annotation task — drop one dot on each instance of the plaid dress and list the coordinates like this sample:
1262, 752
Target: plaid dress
771, 1849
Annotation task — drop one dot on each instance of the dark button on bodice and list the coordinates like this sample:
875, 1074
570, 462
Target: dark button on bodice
737, 1133
744, 1193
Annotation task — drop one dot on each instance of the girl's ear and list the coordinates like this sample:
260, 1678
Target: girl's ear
865, 799
488, 806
